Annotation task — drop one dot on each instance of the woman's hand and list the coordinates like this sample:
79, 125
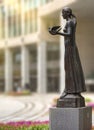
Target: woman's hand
54, 30
51, 31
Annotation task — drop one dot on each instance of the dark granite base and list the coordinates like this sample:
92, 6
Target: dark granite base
71, 101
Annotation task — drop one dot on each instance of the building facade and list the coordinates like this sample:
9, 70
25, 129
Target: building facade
29, 54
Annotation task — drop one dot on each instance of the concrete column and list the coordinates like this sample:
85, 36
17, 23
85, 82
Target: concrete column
41, 58
8, 70
24, 65
62, 49
42, 71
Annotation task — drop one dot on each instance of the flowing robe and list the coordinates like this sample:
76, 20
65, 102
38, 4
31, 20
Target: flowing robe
74, 78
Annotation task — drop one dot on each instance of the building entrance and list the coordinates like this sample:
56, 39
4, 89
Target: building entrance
33, 83
53, 84
2, 84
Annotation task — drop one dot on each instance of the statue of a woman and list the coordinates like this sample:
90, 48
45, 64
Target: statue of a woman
74, 79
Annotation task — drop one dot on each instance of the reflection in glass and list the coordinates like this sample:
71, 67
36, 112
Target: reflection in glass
14, 19
16, 67
33, 67
2, 74
2, 21
53, 67
30, 11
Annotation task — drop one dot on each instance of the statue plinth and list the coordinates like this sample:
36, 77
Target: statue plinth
71, 118
71, 100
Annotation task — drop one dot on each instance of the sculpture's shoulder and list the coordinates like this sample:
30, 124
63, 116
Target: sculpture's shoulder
72, 22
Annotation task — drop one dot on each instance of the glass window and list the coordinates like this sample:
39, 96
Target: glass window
33, 54
30, 16
53, 80
34, 20
33, 80
18, 17
53, 51
27, 16
36, 3
14, 19
2, 22
17, 58
53, 55
45, 1
33, 66
1, 58
11, 21
16, 67
26, 22
2, 71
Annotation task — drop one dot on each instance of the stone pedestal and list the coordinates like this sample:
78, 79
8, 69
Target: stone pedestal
71, 101
71, 118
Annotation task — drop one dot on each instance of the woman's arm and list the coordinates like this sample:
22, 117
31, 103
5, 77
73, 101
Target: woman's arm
56, 30
68, 33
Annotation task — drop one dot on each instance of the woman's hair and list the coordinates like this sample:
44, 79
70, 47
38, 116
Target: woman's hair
69, 11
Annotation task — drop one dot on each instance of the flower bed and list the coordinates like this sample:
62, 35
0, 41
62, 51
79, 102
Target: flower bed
22, 93
24, 125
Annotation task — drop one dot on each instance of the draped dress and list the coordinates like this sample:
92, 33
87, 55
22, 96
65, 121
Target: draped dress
74, 77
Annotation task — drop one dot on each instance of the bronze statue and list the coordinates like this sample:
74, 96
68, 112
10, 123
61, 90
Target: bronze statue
74, 79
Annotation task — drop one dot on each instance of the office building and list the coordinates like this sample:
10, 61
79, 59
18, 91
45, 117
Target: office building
29, 54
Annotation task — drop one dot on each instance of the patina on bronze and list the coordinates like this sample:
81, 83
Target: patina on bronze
74, 78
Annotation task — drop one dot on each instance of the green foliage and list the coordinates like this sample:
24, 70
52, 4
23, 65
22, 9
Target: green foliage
87, 99
24, 126
37, 127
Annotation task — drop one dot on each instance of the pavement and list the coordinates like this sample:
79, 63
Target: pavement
34, 107
18, 108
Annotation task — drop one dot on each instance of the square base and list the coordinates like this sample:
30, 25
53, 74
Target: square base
71, 101
71, 118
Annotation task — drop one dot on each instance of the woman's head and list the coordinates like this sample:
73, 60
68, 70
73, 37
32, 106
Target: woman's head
66, 12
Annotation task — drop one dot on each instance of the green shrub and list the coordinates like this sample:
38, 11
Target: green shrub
24, 125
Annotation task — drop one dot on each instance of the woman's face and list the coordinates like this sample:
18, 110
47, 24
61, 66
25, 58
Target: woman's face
64, 14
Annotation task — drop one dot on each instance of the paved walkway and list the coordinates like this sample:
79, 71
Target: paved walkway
17, 108
33, 107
